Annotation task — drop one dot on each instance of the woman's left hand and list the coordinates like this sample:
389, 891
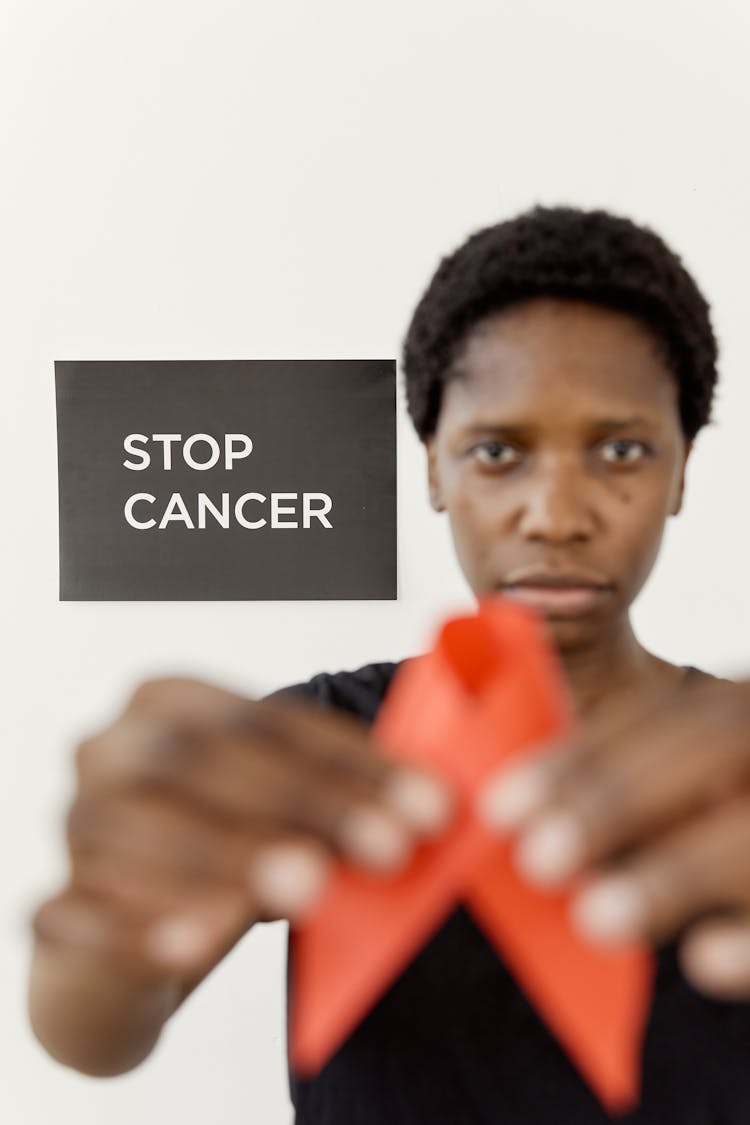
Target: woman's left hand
650, 809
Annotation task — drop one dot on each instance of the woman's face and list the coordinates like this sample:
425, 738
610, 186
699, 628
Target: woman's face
559, 447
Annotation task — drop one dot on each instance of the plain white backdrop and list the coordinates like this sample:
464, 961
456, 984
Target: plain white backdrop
222, 179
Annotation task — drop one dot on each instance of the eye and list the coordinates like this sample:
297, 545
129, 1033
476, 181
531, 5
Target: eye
627, 446
491, 447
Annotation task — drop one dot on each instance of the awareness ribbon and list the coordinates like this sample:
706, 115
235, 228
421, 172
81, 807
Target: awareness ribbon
489, 692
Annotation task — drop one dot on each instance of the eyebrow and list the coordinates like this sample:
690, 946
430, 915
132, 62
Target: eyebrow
520, 430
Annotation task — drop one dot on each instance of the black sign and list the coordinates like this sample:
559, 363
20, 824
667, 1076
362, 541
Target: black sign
255, 479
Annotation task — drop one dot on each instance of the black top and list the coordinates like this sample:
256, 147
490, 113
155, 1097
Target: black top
455, 1041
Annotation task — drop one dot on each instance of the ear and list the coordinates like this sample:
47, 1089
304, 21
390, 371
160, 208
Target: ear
433, 477
677, 506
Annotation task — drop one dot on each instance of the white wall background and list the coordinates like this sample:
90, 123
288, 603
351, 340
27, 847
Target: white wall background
213, 179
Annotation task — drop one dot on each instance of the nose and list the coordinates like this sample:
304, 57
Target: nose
557, 505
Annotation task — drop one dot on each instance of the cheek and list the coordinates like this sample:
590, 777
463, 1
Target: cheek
638, 530
474, 528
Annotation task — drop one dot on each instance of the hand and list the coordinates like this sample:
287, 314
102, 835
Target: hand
199, 812
649, 809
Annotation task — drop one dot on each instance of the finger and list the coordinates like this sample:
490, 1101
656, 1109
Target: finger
661, 770
174, 698
343, 745
297, 727
166, 712
701, 867
715, 957
520, 789
245, 790
164, 719
221, 773
187, 943
129, 919
141, 850
283, 878
329, 739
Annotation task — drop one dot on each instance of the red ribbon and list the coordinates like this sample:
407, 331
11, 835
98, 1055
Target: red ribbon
490, 691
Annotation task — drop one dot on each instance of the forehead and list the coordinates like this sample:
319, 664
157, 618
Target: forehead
557, 359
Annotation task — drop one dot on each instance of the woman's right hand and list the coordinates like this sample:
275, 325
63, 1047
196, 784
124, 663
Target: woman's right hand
199, 812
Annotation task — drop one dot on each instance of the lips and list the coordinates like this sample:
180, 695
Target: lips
558, 594
559, 601
557, 578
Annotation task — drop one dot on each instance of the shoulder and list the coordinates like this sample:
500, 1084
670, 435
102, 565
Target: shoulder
359, 690
697, 675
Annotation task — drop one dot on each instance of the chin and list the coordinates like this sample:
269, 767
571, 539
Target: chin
571, 632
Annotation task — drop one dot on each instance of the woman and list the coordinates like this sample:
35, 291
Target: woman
559, 367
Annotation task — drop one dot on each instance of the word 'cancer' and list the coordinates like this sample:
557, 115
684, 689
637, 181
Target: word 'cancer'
176, 510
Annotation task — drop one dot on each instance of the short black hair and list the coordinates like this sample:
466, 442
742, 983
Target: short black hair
567, 252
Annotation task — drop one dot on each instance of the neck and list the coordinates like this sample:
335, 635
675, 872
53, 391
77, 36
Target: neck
611, 666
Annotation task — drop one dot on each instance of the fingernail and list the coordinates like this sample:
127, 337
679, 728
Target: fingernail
506, 800
611, 909
423, 802
723, 957
374, 839
552, 850
288, 878
177, 941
